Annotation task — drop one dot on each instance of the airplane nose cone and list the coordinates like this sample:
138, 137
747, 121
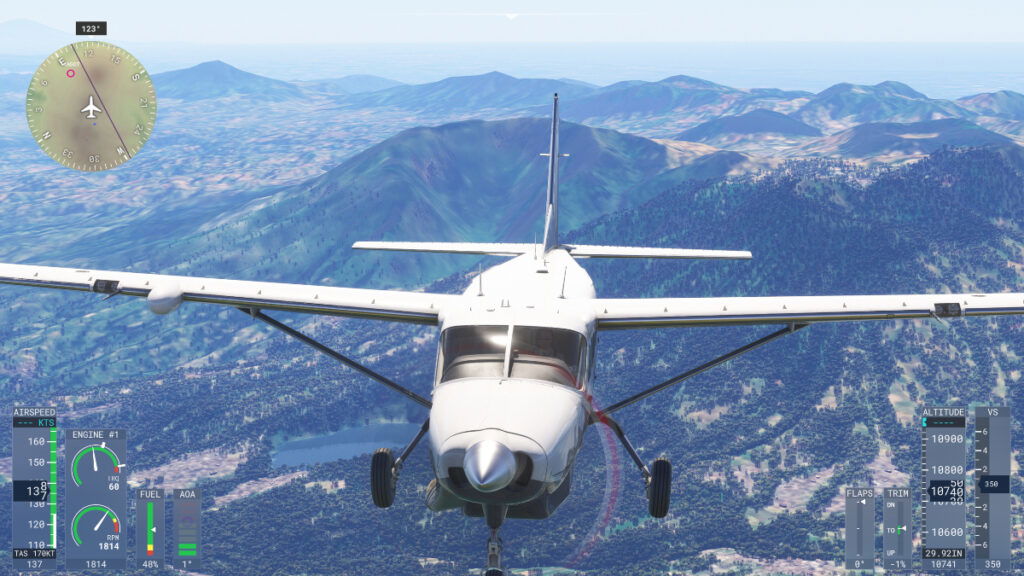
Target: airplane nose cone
489, 466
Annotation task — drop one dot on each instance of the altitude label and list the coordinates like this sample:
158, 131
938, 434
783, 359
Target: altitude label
943, 488
34, 475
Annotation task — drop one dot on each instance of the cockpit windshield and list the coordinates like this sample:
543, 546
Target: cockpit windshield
552, 354
473, 352
538, 353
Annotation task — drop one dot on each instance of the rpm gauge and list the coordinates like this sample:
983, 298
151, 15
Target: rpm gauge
91, 106
96, 526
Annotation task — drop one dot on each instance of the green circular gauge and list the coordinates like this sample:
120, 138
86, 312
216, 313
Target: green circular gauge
91, 106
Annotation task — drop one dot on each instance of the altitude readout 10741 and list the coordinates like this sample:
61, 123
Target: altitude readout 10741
943, 483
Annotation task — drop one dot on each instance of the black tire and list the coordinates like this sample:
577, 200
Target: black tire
382, 478
494, 572
660, 488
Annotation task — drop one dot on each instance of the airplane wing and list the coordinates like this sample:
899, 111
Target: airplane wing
576, 250
586, 251
614, 313
165, 292
482, 248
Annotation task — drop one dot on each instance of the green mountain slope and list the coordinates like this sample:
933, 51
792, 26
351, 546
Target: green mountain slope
877, 139
756, 122
844, 105
480, 93
480, 181
830, 406
1001, 104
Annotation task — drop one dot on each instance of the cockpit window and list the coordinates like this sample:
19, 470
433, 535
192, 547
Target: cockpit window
473, 352
551, 354
537, 353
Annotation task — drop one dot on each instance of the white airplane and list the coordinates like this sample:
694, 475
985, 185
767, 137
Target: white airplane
515, 363
91, 109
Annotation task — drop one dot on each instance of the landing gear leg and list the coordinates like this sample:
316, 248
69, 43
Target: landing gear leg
383, 478
494, 555
658, 478
659, 488
384, 470
495, 516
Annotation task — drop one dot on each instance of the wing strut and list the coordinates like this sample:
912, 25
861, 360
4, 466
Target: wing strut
611, 423
257, 314
598, 416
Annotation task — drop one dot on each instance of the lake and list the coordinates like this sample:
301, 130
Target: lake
344, 444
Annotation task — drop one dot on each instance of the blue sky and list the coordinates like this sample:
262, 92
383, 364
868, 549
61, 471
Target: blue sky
313, 21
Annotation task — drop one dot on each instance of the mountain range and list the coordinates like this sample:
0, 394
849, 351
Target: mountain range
482, 93
873, 139
690, 99
1001, 104
763, 446
856, 189
217, 80
845, 105
470, 180
768, 123
756, 128
764, 122
466, 180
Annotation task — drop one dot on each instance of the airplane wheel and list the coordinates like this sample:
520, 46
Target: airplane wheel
494, 572
660, 488
382, 478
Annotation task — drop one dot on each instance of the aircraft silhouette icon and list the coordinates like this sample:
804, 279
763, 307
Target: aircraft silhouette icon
91, 109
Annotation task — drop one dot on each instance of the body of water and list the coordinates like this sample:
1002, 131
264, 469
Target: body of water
344, 444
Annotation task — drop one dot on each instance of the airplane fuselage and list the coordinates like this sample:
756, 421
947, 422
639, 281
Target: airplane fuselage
511, 400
